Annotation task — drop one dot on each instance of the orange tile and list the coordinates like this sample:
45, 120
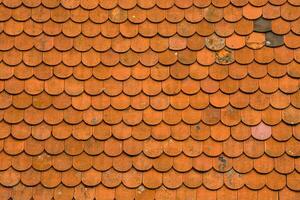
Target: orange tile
232, 148
214, 42
254, 148
172, 179
287, 10
243, 164
205, 28
274, 148
213, 180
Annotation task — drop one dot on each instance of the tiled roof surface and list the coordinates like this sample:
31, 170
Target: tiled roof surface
150, 99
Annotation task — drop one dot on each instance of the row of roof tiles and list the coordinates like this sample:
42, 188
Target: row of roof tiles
232, 31
280, 132
171, 116
136, 14
153, 148
92, 58
258, 74
283, 164
140, 44
156, 100
145, 4
121, 192
151, 179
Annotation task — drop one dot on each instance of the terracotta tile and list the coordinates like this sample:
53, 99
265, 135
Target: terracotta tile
13, 115
9, 178
39, 192
279, 134
220, 132
182, 163
91, 177
172, 179
180, 101
213, 14
166, 29
149, 58
141, 162
180, 131
219, 3
287, 10
192, 147
6, 100
232, 148
239, 100
250, 116
205, 28
161, 131
247, 194
292, 69
172, 147
274, 148
140, 101
213, 180
146, 4
235, 41
84, 192
149, 29
283, 55
268, 84
152, 117
291, 147
121, 131
264, 164
171, 116
254, 148
52, 182
255, 180
62, 162
244, 55
242, 164
42, 162
255, 40
166, 4
71, 177
275, 181
185, 28
152, 179
163, 163
284, 164
222, 163
259, 100
33, 116
113, 147
280, 26
132, 178
293, 181
32, 146
21, 130
287, 194
174, 14
132, 146
203, 3
143, 193
224, 28
152, 148
219, 99
227, 194
251, 12
193, 14
203, 193
31, 177
215, 43
271, 12
232, 13
217, 150
81, 131
271, 116
267, 194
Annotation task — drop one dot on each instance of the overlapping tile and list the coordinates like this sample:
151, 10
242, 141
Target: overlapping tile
149, 99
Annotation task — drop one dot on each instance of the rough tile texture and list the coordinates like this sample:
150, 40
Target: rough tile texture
150, 99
